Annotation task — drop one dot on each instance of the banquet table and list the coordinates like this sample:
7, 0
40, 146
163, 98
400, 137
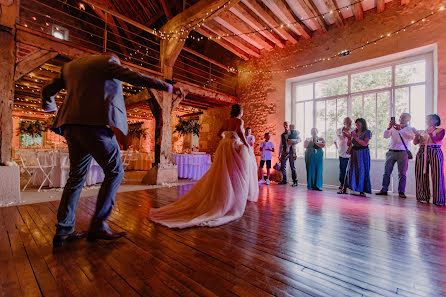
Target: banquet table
60, 172
192, 166
139, 161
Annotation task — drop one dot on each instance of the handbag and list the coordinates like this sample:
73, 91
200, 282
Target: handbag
409, 153
278, 166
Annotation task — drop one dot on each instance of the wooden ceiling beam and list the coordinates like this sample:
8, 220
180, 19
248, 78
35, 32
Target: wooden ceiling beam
264, 13
358, 11
282, 10
237, 25
32, 61
227, 45
166, 9
334, 11
249, 17
237, 41
311, 10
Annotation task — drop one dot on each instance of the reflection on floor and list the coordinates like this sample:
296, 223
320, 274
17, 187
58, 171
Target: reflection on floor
131, 182
292, 242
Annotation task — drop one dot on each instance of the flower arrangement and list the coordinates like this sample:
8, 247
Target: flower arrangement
32, 128
188, 126
137, 132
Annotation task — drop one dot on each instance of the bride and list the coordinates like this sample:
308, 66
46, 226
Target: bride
220, 196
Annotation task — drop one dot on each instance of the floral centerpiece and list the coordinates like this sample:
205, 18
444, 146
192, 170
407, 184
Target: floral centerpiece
189, 126
137, 131
32, 128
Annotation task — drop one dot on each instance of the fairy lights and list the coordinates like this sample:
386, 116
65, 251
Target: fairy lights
348, 52
181, 35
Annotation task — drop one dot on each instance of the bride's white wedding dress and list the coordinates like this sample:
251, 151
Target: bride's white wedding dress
220, 196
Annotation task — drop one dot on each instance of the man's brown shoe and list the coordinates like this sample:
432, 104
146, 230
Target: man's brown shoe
105, 235
59, 240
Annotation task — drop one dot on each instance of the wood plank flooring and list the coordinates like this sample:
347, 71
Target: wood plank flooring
292, 242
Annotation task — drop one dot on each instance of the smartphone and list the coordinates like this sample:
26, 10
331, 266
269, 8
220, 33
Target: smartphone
392, 119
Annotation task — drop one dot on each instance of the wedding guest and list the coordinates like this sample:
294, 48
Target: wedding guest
314, 155
342, 135
358, 172
249, 137
400, 137
288, 141
267, 150
430, 155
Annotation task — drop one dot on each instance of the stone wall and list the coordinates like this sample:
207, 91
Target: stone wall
211, 121
263, 95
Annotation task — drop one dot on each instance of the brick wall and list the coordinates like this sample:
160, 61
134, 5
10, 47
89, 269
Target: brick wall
263, 95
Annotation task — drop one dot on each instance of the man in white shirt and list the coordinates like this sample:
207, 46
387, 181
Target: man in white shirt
397, 153
250, 139
342, 135
267, 149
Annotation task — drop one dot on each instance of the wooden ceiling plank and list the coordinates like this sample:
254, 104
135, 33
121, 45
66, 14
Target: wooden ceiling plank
358, 11
230, 47
334, 10
237, 41
281, 9
166, 9
266, 15
311, 10
243, 12
231, 19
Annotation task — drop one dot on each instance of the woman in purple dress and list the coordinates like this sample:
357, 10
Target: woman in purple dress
358, 171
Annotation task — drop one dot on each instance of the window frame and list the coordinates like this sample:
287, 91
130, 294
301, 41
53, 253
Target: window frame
429, 83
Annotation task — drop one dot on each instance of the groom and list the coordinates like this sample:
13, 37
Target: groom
94, 103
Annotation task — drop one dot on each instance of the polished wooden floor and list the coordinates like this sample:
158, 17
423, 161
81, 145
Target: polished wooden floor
292, 242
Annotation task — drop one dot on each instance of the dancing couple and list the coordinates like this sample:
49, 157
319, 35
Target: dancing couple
94, 103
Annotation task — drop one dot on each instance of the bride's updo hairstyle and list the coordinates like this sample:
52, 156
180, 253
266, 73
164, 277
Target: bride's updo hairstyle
235, 110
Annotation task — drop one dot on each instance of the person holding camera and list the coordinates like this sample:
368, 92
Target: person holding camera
400, 137
430, 156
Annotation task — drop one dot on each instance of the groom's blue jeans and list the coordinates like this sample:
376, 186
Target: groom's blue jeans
85, 142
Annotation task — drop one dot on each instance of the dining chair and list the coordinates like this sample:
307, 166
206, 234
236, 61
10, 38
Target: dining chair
30, 164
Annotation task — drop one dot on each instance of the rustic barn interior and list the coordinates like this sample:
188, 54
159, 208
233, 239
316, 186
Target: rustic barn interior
310, 63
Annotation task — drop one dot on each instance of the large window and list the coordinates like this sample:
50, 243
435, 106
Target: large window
375, 94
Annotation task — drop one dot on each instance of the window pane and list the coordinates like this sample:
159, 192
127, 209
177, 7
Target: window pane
308, 118
370, 80
304, 92
401, 101
410, 73
383, 115
331, 87
300, 125
370, 116
320, 117
341, 111
330, 133
356, 107
418, 106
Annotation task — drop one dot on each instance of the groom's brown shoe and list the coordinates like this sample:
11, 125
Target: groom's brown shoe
59, 240
105, 235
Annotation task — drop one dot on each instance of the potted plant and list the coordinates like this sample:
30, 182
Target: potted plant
189, 126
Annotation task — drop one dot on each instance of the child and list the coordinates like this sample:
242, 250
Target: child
249, 137
267, 149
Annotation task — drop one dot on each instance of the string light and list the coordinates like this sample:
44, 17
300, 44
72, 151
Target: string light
346, 52
175, 34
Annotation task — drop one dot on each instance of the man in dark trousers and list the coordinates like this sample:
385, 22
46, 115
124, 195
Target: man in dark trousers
94, 103
287, 151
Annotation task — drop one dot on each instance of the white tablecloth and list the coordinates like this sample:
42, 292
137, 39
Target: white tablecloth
140, 161
59, 174
192, 166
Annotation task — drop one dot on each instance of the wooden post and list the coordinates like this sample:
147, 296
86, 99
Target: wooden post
8, 17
